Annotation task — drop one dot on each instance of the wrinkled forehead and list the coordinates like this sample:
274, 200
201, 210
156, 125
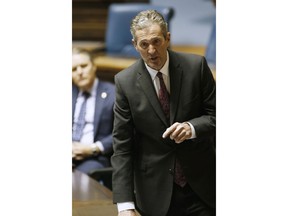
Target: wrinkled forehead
80, 58
148, 33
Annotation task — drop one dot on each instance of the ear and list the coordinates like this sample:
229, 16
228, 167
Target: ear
168, 37
135, 44
94, 67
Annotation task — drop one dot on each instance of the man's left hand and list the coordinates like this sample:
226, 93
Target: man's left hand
178, 132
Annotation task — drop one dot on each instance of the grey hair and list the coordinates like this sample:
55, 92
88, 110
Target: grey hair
78, 50
145, 18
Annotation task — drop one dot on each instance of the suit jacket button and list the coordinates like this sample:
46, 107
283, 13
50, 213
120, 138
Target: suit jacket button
171, 171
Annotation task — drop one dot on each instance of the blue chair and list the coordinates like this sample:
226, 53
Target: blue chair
210, 53
118, 40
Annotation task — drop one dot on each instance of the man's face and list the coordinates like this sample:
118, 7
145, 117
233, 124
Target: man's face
152, 46
83, 71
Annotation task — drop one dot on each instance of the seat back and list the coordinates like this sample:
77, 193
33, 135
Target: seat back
103, 175
210, 53
118, 37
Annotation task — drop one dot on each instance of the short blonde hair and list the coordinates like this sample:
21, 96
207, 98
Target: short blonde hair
78, 50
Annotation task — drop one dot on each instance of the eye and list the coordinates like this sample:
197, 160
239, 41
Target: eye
143, 44
157, 42
83, 65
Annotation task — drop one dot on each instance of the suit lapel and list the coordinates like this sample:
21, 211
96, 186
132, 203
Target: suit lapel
100, 97
145, 81
175, 72
75, 92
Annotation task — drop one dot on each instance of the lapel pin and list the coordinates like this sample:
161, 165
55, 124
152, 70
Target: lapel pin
103, 95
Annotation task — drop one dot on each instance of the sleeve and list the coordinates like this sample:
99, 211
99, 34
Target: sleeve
105, 136
125, 206
205, 125
122, 159
193, 131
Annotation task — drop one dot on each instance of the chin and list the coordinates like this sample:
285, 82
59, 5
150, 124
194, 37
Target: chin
83, 84
154, 65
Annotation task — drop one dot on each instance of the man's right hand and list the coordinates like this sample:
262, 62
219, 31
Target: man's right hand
129, 212
81, 151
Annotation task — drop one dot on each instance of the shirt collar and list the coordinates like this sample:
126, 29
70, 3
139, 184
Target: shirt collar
163, 70
92, 91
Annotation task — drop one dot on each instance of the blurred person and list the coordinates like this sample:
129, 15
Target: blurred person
164, 128
92, 109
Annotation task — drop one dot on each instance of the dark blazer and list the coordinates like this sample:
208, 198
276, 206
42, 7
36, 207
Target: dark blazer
143, 161
103, 118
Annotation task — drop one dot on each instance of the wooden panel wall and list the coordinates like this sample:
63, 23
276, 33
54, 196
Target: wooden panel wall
89, 18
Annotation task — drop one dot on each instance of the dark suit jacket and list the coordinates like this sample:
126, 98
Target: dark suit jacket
143, 161
103, 117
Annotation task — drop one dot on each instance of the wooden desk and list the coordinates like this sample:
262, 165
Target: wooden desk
90, 197
199, 50
108, 66
92, 46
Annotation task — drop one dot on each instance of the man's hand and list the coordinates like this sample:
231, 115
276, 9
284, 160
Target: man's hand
80, 151
178, 132
129, 212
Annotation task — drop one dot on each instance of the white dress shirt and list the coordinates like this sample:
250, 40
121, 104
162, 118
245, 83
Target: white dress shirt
88, 131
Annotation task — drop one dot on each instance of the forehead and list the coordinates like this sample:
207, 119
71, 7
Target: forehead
80, 59
149, 32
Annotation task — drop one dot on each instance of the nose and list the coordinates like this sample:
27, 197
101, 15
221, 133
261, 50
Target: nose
79, 70
151, 49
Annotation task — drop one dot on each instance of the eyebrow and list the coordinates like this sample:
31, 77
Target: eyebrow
156, 37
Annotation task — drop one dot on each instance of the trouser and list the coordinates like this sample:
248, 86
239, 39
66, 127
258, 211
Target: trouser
185, 202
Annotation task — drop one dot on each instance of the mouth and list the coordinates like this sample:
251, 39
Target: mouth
154, 58
82, 79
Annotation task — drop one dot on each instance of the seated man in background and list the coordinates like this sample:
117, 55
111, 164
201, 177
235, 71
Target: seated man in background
92, 109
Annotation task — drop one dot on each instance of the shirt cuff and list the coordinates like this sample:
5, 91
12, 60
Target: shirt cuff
192, 130
100, 145
125, 206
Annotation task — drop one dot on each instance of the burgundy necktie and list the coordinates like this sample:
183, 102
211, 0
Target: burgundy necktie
179, 177
164, 96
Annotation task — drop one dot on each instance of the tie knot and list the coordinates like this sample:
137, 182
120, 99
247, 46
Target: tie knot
159, 75
86, 94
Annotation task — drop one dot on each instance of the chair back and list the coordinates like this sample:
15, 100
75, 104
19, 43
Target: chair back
118, 37
210, 53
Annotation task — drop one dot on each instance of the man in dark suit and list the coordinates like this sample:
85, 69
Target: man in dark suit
92, 109
164, 142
